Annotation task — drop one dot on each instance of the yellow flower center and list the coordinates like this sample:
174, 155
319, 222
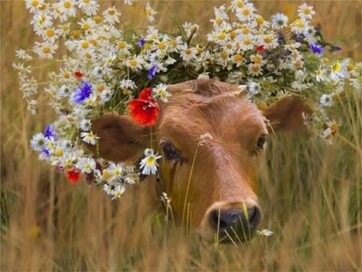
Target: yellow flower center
46, 50
307, 11
218, 20
232, 34
100, 88
245, 31
50, 33
150, 161
111, 12
221, 36
106, 175
86, 26
247, 41
256, 59
173, 43
35, 3
268, 39
85, 1
240, 4
84, 44
188, 51
133, 62
121, 45
59, 152
66, 75
67, 4
223, 55
259, 19
350, 67
146, 46
336, 67
97, 19
255, 68
161, 45
299, 23
246, 12
93, 42
42, 7
238, 58
88, 55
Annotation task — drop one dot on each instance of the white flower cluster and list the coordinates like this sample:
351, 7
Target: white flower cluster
103, 68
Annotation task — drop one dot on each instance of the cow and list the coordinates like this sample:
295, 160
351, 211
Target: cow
209, 135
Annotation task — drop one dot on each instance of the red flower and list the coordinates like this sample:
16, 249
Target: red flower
78, 74
73, 175
146, 94
260, 48
144, 112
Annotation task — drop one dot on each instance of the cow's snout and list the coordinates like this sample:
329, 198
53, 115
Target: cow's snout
235, 223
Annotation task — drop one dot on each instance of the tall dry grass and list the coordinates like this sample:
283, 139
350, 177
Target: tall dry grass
311, 194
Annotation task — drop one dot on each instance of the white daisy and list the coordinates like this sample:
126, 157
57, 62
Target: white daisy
38, 142
45, 50
160, 91
149, 163
279, 21
89, 137
150, 13
86, 165
111, 15
89, 7
85, 125
326, 100
305, 12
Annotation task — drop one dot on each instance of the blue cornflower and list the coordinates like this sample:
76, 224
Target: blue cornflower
82, 92
50, 132
152, 72
141, 42
317, 49
46, 152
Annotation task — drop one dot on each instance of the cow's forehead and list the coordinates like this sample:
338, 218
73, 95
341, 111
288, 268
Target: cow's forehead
189, 116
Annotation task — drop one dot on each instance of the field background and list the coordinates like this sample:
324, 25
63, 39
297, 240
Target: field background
311, 194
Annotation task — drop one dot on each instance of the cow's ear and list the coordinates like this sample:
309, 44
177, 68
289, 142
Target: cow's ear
287, 115
120, 139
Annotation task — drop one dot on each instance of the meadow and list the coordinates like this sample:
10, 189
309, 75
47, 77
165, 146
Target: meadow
310, 192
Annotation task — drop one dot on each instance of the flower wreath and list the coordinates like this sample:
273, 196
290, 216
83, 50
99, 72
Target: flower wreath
103, 68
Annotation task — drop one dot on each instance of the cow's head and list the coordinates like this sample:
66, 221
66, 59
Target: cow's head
209, 135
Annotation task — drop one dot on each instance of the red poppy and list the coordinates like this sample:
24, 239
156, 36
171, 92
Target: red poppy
260, 48
144, 112
73, 175
78, 74
146, 94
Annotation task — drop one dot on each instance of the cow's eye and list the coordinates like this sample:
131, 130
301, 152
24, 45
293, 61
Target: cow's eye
169, 151
260, 143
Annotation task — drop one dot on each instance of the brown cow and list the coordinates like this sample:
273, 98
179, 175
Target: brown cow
209, 135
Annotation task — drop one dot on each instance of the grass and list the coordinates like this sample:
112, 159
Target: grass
311, 194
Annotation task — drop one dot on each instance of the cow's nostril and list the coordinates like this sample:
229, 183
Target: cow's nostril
223, 219
253, 216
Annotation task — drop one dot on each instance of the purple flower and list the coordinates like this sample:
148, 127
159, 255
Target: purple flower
152, 72
83, 92
316, 49
50, 132
141, 42
45, 152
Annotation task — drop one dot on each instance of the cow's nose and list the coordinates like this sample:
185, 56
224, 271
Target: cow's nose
235, 221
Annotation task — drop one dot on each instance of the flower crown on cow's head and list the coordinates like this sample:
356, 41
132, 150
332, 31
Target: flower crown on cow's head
103, 68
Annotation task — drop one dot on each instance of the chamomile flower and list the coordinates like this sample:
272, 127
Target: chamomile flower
187, 53
279, 21
33, 5
129, 2
326, 100
23, 55
89, 7
38, 142
150, 13
305, 12
254, 69
160, 91
85, 125
149, 163
135, 63
86, 165
253, 88
64, 9
246, 12
115, 191
338, 70
111, 15
45, 50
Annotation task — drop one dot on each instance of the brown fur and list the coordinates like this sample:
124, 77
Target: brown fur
218, 173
